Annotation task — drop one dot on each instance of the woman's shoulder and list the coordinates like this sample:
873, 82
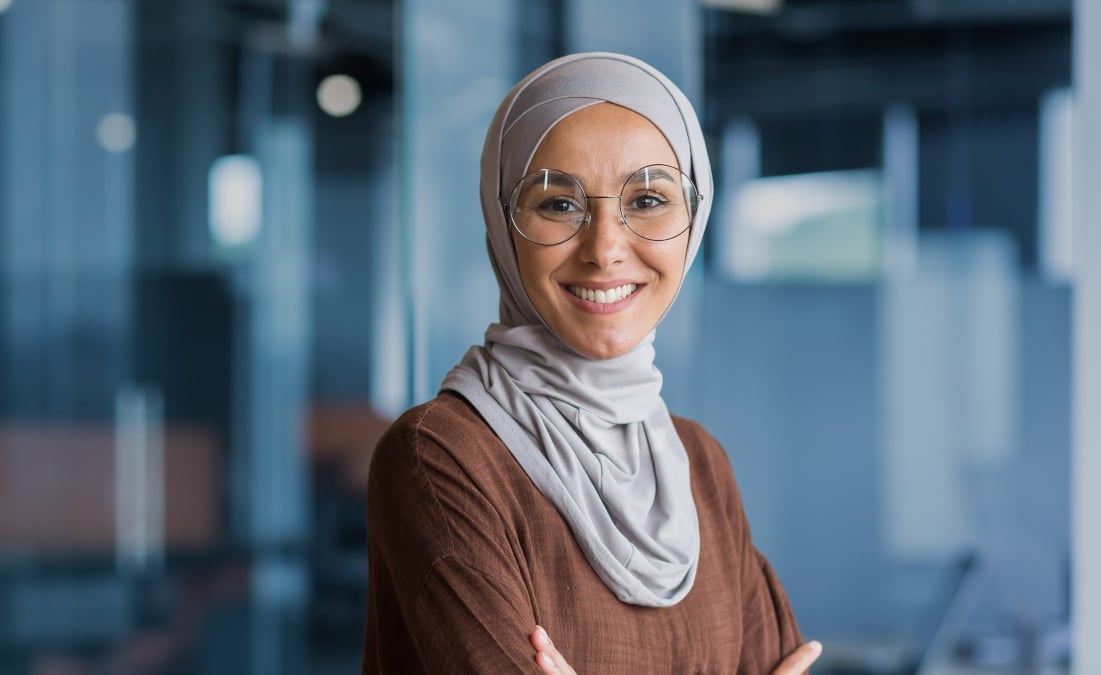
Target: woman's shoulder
444, 417
440, 435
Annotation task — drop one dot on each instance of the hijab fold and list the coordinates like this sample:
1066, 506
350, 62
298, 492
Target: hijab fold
594, 436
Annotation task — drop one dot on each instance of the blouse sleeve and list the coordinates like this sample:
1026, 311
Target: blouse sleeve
767, 620
445, 592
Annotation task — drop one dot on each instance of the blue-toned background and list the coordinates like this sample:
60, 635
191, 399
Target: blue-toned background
237, 237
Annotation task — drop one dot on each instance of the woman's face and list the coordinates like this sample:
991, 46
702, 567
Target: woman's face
601, 146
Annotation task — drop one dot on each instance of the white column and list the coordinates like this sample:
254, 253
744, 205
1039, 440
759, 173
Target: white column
948, 368
734, 254
274, 380
900, 176
279, 335
1086, 363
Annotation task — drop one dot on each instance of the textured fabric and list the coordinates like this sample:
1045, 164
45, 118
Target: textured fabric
466, 556
594, 436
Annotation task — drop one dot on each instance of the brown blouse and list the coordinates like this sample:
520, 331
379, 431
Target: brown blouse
466, 556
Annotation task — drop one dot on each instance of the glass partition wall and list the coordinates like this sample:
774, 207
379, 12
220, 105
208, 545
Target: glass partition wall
190, 196
889, 290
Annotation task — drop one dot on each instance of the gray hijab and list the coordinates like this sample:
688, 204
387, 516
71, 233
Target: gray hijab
594, 436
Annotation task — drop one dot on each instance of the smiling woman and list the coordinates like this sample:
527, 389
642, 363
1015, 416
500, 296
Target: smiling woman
547, 484
605, 288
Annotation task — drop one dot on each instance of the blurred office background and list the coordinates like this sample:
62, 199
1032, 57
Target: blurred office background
239, 236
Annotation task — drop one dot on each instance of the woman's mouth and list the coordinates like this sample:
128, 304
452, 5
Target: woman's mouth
605, 295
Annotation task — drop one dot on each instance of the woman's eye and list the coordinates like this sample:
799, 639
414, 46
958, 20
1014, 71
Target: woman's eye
644, 202
558, 206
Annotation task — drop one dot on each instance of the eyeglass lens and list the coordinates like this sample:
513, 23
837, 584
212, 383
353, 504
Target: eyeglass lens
549, 206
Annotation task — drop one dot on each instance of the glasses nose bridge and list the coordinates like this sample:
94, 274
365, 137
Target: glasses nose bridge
618, 213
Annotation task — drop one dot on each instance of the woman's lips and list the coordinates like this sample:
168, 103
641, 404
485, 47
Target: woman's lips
602, 298
603, 295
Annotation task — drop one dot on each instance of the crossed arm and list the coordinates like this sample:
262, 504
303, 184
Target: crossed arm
551, 662
451, 586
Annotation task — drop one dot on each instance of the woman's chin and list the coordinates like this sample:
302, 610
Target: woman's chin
601, 347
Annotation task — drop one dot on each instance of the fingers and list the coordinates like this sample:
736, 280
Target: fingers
553, 663
799, 660
547, 656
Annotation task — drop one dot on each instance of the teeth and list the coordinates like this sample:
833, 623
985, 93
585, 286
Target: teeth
604, 296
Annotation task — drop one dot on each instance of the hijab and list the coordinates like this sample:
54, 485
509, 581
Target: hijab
594, 436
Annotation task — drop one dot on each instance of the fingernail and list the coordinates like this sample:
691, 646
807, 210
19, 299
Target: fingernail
543, 634
545, 661
816, 646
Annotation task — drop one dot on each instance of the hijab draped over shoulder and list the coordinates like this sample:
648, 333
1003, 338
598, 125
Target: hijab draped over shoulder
594, 436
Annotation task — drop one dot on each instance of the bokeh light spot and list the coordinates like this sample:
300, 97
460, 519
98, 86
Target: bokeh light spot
235, 192
339, 95
116, 132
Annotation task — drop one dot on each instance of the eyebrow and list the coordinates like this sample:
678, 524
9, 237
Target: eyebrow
655, 175
556, 179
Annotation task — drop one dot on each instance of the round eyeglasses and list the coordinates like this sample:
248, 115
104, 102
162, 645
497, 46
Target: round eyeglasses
549, 206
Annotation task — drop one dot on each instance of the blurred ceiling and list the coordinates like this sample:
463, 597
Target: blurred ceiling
809, 57
856, 56
357, 26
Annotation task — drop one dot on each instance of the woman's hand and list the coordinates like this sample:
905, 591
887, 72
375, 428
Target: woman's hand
799, 660
548, 658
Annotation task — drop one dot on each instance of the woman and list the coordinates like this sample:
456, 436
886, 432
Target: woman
547, 489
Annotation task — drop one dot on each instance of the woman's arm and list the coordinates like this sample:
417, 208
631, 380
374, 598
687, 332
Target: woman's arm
445, 589
768, 619
553, 663
771, 641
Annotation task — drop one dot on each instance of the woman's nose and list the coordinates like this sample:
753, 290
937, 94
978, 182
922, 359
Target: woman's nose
605, 241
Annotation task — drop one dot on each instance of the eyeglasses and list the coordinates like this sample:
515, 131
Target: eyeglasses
549, 206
